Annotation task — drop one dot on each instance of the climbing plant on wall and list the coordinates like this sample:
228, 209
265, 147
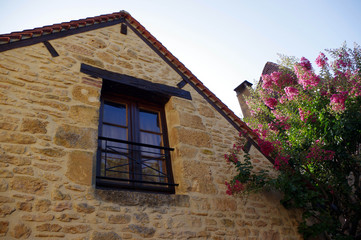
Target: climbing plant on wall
310, 125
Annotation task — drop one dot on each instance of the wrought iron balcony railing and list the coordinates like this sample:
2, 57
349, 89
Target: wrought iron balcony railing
133, 165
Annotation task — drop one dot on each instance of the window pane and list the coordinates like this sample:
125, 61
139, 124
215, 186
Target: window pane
152, 139
153, 170
114, 165
149, 120
116, 133
115, 113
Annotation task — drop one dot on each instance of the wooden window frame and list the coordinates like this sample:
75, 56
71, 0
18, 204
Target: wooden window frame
133, 106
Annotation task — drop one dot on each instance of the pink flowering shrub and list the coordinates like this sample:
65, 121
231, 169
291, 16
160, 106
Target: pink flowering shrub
271, 102
316, 153
306, 64
338, 101
308, 125
277, 80
266, 147
321, 60
291, 92
306, 78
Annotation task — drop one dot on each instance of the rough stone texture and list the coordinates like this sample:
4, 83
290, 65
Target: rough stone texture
105, 236
24, 206
75, 137
47, 227
200, 177
80, 167
24, 170
21, 231
56, 194
119, 219
33, 126
3, 185
28, 185
6, 210
74, 229
84, 208
4, 227
194, 137
49, 114
85, 94
59, 207
42, 205
66, 217
17, 138
37, 217
84, 115
144, 232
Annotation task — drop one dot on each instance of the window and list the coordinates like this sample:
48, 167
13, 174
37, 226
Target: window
133, 147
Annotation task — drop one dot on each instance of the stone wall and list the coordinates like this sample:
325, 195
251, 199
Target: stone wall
48, 139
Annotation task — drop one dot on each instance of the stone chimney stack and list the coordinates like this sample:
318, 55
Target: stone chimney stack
243, 92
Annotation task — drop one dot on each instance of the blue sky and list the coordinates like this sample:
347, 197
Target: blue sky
222, 42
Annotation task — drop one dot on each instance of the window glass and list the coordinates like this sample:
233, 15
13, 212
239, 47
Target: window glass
114, 165
149, 120
115, 113
114, 132
153, 170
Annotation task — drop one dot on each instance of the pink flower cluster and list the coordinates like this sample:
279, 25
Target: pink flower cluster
321, 60
318, 154
341, 63
279, 161
306, 78
356, 86
338, 101
304, 115
291, 92
266, 147
279, 79
305, 63
237, 186
271, 102
279, 123
231, 157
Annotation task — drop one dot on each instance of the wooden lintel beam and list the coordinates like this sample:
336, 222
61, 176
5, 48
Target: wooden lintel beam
51, 49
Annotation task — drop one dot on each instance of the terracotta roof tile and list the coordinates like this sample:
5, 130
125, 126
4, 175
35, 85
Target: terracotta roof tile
53, 29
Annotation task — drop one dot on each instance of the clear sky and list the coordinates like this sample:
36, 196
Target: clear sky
222, 42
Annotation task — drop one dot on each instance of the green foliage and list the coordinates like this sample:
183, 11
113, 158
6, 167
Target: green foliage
311, 126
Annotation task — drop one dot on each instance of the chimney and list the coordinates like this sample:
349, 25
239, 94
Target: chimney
243, 92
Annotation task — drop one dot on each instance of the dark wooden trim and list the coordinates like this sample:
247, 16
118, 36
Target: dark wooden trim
247, 146
135, 82
51, 49
181, 84
123, 29
35, 40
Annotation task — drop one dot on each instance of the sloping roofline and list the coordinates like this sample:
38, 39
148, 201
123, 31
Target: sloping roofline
37, 35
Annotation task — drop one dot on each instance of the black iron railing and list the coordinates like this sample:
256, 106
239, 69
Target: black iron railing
132, 164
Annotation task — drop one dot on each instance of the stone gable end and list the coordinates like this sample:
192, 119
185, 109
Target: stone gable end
49, 116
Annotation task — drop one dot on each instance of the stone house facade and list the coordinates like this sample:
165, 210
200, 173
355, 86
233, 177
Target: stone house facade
104, 134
